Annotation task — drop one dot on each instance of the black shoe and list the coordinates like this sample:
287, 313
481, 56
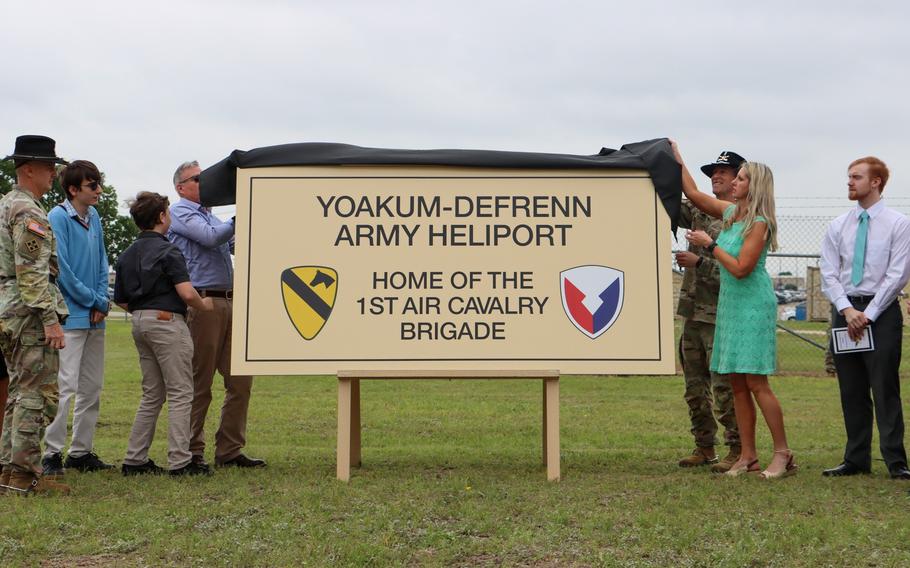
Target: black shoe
900, 472
52, 465
191, 469
148, 468
199, 459
844, 469
200, 462
243, 461
87, 462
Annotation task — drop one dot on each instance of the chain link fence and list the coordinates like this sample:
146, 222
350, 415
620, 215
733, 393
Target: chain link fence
803, 311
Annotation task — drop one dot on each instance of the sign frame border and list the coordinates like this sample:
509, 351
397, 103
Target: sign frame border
658, 209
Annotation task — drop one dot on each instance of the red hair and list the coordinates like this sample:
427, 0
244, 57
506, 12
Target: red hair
877, 169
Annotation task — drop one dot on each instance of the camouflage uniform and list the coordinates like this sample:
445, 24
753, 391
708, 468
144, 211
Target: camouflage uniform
698, 307
29, 301
829, 355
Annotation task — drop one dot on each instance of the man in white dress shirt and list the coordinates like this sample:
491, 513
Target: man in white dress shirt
864, 267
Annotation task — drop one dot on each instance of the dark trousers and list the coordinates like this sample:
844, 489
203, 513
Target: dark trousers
873, 373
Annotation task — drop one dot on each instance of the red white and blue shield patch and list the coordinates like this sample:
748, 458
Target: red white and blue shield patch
592, 297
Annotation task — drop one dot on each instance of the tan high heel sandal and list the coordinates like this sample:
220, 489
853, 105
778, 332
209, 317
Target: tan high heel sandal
735, 471
789, 469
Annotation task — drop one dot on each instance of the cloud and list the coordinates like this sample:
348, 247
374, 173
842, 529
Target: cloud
804, 87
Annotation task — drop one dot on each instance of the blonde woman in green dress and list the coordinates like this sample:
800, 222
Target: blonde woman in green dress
745, 340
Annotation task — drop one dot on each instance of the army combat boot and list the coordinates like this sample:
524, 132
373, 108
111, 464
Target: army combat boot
21, 483
699, 456
4, 478
724, 465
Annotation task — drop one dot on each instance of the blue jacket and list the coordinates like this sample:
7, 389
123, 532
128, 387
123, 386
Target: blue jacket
83, 265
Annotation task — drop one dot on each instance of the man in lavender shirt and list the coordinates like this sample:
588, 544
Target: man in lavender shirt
207, 242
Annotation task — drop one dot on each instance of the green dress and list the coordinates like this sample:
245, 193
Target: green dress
745, 339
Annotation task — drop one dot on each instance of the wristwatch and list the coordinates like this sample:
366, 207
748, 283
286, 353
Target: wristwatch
710, 248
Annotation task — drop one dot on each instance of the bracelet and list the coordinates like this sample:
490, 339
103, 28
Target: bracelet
710, 248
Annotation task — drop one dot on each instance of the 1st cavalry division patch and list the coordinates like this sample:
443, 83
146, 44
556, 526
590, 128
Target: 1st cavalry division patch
309, 295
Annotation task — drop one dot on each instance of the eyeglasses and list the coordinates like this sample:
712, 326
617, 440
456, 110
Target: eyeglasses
194, 178
93, 185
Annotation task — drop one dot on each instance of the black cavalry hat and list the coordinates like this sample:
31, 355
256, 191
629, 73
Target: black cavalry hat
31, 147
726, 158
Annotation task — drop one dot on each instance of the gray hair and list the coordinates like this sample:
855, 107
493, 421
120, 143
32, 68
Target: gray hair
178, 175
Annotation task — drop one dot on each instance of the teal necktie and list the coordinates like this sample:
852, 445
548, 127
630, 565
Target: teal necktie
859, 252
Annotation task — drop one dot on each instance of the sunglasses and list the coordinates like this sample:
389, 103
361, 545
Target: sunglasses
194, 178
93, 185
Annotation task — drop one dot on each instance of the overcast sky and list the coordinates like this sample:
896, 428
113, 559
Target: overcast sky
140, 87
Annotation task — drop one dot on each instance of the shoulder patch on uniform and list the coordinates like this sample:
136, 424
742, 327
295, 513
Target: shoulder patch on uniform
30, 247
37, 228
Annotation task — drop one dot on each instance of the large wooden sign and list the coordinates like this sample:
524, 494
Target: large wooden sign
450, 268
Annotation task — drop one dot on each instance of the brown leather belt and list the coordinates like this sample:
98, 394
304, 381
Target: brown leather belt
214, 293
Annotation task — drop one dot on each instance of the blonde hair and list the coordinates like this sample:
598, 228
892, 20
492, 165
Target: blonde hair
761, 201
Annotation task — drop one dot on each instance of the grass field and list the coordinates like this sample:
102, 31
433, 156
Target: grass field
452, 476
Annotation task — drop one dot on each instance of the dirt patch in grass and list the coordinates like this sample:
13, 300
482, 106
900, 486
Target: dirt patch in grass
90, 561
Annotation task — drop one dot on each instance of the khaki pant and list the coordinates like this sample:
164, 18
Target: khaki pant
211, 333
166, 358
80, 379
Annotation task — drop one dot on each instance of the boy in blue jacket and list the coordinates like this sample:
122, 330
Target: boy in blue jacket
83, 280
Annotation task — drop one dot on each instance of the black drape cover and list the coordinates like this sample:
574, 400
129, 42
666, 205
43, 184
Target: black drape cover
218, 184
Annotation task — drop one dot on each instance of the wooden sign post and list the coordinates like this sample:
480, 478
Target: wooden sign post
349, 441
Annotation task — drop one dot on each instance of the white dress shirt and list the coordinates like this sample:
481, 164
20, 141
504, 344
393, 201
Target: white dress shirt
885, 271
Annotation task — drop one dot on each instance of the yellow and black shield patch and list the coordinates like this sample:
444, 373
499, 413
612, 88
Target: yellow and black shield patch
309, 295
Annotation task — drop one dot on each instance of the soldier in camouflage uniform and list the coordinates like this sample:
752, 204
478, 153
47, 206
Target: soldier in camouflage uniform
698, 307
31, 309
